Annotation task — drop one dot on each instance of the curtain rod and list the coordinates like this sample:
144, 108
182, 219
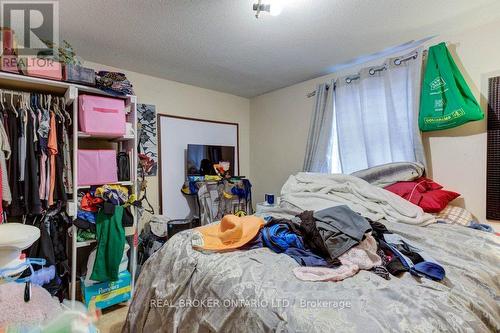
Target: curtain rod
375, 69
313, 93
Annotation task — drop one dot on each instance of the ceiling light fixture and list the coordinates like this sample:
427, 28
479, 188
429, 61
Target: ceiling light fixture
273, 7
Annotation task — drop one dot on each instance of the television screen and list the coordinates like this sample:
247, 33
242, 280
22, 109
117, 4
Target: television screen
201, 158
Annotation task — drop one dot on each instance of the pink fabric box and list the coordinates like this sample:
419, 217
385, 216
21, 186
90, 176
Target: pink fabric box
41, 67
97, 167
9, 64
102, 116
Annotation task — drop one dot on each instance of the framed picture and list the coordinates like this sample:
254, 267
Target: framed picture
148, 141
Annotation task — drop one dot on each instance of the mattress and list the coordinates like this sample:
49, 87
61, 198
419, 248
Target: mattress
183, 290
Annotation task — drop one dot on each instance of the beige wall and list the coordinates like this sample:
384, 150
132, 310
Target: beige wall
189, 101
457, 157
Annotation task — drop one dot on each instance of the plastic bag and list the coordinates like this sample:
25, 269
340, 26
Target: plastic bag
446, 100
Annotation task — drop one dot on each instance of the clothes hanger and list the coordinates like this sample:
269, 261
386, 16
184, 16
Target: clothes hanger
24, 108
12, 104
63, 106
58, 110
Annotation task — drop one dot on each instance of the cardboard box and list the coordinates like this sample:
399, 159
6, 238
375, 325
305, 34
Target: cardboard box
106, 294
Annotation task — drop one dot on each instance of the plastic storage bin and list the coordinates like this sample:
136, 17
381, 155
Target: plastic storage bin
101, 116
97, 167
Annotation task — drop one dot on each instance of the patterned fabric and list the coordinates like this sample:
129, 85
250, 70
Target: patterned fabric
148, 140
455, 215
114, 82
382, 272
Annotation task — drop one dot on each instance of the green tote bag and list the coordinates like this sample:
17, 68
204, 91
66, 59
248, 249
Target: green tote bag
446, 100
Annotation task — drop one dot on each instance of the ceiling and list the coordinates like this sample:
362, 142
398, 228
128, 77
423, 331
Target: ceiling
220, 45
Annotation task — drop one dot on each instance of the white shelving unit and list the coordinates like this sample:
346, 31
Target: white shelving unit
71, 93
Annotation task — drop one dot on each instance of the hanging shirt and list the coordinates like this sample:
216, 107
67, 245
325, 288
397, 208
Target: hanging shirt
22, 142
43, 134
68, 173
31, 194
15, 208
52, 149
4, 156
42, 144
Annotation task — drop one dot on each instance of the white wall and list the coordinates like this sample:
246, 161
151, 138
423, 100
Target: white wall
180, 99
457, 158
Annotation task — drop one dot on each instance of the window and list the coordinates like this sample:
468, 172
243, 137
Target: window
375, 116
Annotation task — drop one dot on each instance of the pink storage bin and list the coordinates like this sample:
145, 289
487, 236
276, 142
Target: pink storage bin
101, 116
9, 64
41, 67
97, 167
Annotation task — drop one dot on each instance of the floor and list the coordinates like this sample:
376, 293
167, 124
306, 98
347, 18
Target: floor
112, 319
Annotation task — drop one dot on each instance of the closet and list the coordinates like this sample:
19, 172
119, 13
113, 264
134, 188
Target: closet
32, 109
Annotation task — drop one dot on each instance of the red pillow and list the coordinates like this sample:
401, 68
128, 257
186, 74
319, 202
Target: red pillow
412, 190
435, 201
425, 193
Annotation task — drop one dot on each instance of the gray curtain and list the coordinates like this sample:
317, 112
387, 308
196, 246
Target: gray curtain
319, 142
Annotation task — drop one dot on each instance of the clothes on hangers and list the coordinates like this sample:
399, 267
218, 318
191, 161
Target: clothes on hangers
15, 208
51, 246
32, 201
35, 158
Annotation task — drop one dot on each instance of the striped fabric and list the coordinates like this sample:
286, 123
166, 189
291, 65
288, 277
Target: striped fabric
493, 161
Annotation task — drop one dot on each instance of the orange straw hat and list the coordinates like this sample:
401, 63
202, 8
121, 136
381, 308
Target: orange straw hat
231, 233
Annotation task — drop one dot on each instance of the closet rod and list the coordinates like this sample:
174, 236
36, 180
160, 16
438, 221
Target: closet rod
21, 92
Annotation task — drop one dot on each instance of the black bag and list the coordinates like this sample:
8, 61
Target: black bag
123, 162
128, 218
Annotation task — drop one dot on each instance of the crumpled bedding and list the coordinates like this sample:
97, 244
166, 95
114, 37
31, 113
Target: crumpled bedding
183, 290
316, 191
390, 173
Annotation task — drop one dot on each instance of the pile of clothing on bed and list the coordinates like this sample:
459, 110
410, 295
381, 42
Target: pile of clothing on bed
329, 245
334, 223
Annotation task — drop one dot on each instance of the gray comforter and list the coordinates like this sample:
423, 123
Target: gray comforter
183, 290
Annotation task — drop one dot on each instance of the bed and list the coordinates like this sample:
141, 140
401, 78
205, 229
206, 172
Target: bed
184, 290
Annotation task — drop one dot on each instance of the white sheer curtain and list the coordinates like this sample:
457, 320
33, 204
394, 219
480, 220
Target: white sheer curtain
376, 115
